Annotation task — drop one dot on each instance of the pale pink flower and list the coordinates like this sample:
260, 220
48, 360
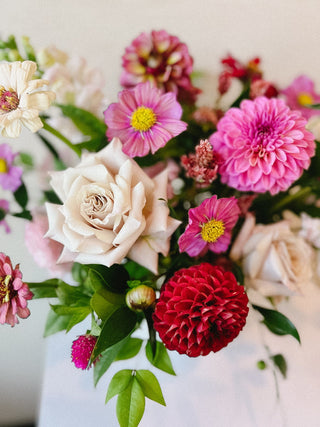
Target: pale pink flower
144, 119
264, 146
10, 175
14, 293
4, 209
82, 349
299, 94
162, 59
173, 171
210, 226
45, 251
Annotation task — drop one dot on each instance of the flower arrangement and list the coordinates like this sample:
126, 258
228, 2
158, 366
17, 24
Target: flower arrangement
177, 216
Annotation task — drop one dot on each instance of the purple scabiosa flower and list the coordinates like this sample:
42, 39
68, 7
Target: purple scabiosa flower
162, 59
210, 226
299, 94
144, 119
10, 175
264, 146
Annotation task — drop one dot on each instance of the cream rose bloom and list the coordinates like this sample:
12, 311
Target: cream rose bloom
275, 261
110, 210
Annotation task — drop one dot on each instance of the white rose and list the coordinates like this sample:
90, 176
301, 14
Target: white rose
274, 260
110, 209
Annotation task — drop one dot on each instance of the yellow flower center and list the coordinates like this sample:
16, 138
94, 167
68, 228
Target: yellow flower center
143, 118
5, 292
212, 230
3, 166
305, 99
9, 100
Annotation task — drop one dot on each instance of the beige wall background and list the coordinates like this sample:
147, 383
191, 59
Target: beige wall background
284, 33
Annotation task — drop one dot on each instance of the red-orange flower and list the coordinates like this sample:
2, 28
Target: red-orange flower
201, 309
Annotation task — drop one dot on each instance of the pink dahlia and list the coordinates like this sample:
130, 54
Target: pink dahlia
201, 309
82, 349
300, 93
14, 294
162, 59
10, 175
210, 226
144, 119
4, 209
264, 146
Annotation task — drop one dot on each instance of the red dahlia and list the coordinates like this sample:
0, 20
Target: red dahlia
201, 309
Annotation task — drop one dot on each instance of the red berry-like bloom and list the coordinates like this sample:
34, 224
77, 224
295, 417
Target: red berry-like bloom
201, 309
82, 349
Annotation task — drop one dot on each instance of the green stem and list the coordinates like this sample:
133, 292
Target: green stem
56, 133
290, 198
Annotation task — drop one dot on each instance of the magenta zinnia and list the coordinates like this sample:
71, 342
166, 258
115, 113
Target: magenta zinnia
14, 294
210, 226
264, 146
82, 349
10, 175
162, 59
144, 119
201, 309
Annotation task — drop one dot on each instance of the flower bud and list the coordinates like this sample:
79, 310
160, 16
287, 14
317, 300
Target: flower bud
140, 298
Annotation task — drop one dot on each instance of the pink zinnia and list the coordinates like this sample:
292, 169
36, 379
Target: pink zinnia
4, 209
144, 119
10, 175
300, 93
82, 349
264, 146
14, 294
210, 226
162, 59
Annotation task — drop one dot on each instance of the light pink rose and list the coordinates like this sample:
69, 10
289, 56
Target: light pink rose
45, 251
111, 209
275, 261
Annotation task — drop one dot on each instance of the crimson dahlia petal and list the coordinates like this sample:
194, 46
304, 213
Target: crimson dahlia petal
201, 309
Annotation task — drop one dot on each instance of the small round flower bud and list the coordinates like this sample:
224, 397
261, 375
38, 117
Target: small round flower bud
140, 298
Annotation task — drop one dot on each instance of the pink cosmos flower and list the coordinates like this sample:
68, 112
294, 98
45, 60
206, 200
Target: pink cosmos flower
45, 251
300, 93
162, 59
4, 209
210, 226
10, 175
14, 294
144, 119
82, 349
264, 146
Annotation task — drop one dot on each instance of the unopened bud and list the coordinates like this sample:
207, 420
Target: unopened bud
140, 298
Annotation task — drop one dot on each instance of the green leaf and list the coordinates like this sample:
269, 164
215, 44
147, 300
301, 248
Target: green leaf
65, 310
114, 278
136, 271
314, 106
70, 295
161, 360
21, 196
23, 214
51, 197
43, 290
85, 121
277, 323
77, 318
130, 405
95, 280
26, 159
130, 349
105, 361
119, 383
150, 386
79, 272
280, 362
116, 327
94, 144
55, 323
104, 302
